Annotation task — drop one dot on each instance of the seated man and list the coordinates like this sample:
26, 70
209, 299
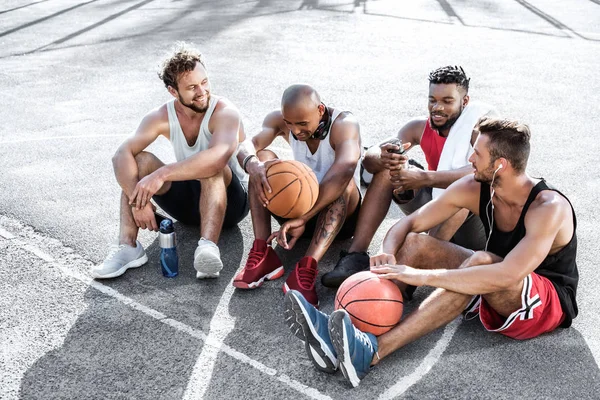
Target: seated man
206, 186
524, 283
328, 141
446, 138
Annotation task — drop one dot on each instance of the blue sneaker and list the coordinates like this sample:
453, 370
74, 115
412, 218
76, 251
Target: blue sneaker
311, 326
355, 348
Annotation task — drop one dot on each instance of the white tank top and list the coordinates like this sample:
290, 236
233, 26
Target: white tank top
323, 159
183, 150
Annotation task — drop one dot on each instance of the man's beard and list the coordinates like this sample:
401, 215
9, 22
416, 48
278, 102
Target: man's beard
449, 122
195, 108
486, 176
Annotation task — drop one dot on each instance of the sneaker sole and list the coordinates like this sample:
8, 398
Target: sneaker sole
339, 338
286, 289
297, 320
207, 266
276, 274
138, 262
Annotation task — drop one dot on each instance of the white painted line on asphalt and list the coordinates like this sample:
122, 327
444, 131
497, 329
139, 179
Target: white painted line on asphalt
38, 252
221, 326
214, 341
6, 234
428, 362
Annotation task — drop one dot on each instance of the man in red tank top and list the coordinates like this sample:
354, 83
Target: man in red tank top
407, 183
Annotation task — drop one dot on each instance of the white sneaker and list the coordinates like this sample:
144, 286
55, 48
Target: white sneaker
120, 258
207, 259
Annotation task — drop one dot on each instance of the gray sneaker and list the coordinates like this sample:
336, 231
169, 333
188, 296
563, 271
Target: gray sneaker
120, 258
207, 260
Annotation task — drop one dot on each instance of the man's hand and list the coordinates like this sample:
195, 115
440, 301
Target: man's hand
145, 189
257, 172
408, 178
402, 273
294, 228
382, 259
145, 218
392, 161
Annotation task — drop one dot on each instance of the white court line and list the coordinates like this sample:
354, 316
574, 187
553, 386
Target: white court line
214, 341
221, 325
428, 362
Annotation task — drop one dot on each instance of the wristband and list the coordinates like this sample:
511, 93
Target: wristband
248, 158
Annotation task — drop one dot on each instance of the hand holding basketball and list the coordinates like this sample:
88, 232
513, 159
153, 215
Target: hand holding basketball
382, 259
257, 173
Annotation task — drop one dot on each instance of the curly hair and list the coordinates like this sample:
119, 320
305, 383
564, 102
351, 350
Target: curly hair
450, 74
507, 139
182, 59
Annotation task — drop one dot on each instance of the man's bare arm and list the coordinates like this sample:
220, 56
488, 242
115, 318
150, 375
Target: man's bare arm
462, 194
124, 164
345, 138
409, 133
542, 224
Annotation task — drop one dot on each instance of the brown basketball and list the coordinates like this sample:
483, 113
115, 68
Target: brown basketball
375, 305
294, 189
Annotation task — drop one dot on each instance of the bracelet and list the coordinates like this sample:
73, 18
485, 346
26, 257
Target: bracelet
248, 158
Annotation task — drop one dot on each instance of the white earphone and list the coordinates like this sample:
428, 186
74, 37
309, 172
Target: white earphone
491, 223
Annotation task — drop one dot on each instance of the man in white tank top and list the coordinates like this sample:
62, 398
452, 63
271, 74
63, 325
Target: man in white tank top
328, 141
205, 187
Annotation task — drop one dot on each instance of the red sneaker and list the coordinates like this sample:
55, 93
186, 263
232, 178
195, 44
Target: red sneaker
303, 279
263, 263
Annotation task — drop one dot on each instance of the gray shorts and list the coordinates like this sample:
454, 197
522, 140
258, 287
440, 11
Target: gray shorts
470, 235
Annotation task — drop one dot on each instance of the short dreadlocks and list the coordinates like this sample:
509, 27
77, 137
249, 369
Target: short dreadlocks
182, 59
450, 74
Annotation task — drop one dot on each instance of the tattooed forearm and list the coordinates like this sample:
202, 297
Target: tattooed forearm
330, 222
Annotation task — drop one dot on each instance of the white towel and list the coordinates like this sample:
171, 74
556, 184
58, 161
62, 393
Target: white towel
457, 148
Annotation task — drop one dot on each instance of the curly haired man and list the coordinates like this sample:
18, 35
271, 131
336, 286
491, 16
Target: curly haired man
205, 186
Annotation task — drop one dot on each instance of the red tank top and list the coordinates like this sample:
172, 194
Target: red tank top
432, 144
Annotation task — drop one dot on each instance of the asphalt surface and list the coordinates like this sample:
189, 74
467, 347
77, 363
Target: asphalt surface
77, 76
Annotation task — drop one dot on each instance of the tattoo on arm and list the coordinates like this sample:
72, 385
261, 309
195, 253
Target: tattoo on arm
330, 222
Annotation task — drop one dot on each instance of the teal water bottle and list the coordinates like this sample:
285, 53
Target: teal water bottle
169, 261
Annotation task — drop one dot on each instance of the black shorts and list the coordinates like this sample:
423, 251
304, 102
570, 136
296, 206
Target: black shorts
346, 232
182, 202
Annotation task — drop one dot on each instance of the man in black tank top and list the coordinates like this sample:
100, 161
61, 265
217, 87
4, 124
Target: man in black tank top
523, 285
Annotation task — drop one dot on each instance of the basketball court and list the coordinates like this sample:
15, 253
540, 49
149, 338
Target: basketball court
76, 76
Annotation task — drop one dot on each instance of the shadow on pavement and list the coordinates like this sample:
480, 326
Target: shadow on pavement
115, 351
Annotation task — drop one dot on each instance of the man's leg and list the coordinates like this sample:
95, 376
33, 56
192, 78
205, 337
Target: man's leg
262, 262
261, 216
330, 221
213, 203
129, 253
147, 163
212, 207
373, 211
440, 308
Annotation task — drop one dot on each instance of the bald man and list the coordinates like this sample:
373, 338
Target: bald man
327, 140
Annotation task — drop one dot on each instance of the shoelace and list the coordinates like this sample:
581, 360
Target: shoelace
114, 249
364, 339
306, 276
253, 258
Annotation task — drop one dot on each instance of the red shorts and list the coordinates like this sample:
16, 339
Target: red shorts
540, 311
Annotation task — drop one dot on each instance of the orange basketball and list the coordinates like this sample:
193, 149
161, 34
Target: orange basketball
294, 189
375, 305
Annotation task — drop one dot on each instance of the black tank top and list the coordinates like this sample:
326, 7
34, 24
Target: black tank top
559, 268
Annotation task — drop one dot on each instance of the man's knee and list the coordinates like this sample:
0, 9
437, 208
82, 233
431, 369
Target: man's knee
412, 244
222, 177
147, 163
480, 258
